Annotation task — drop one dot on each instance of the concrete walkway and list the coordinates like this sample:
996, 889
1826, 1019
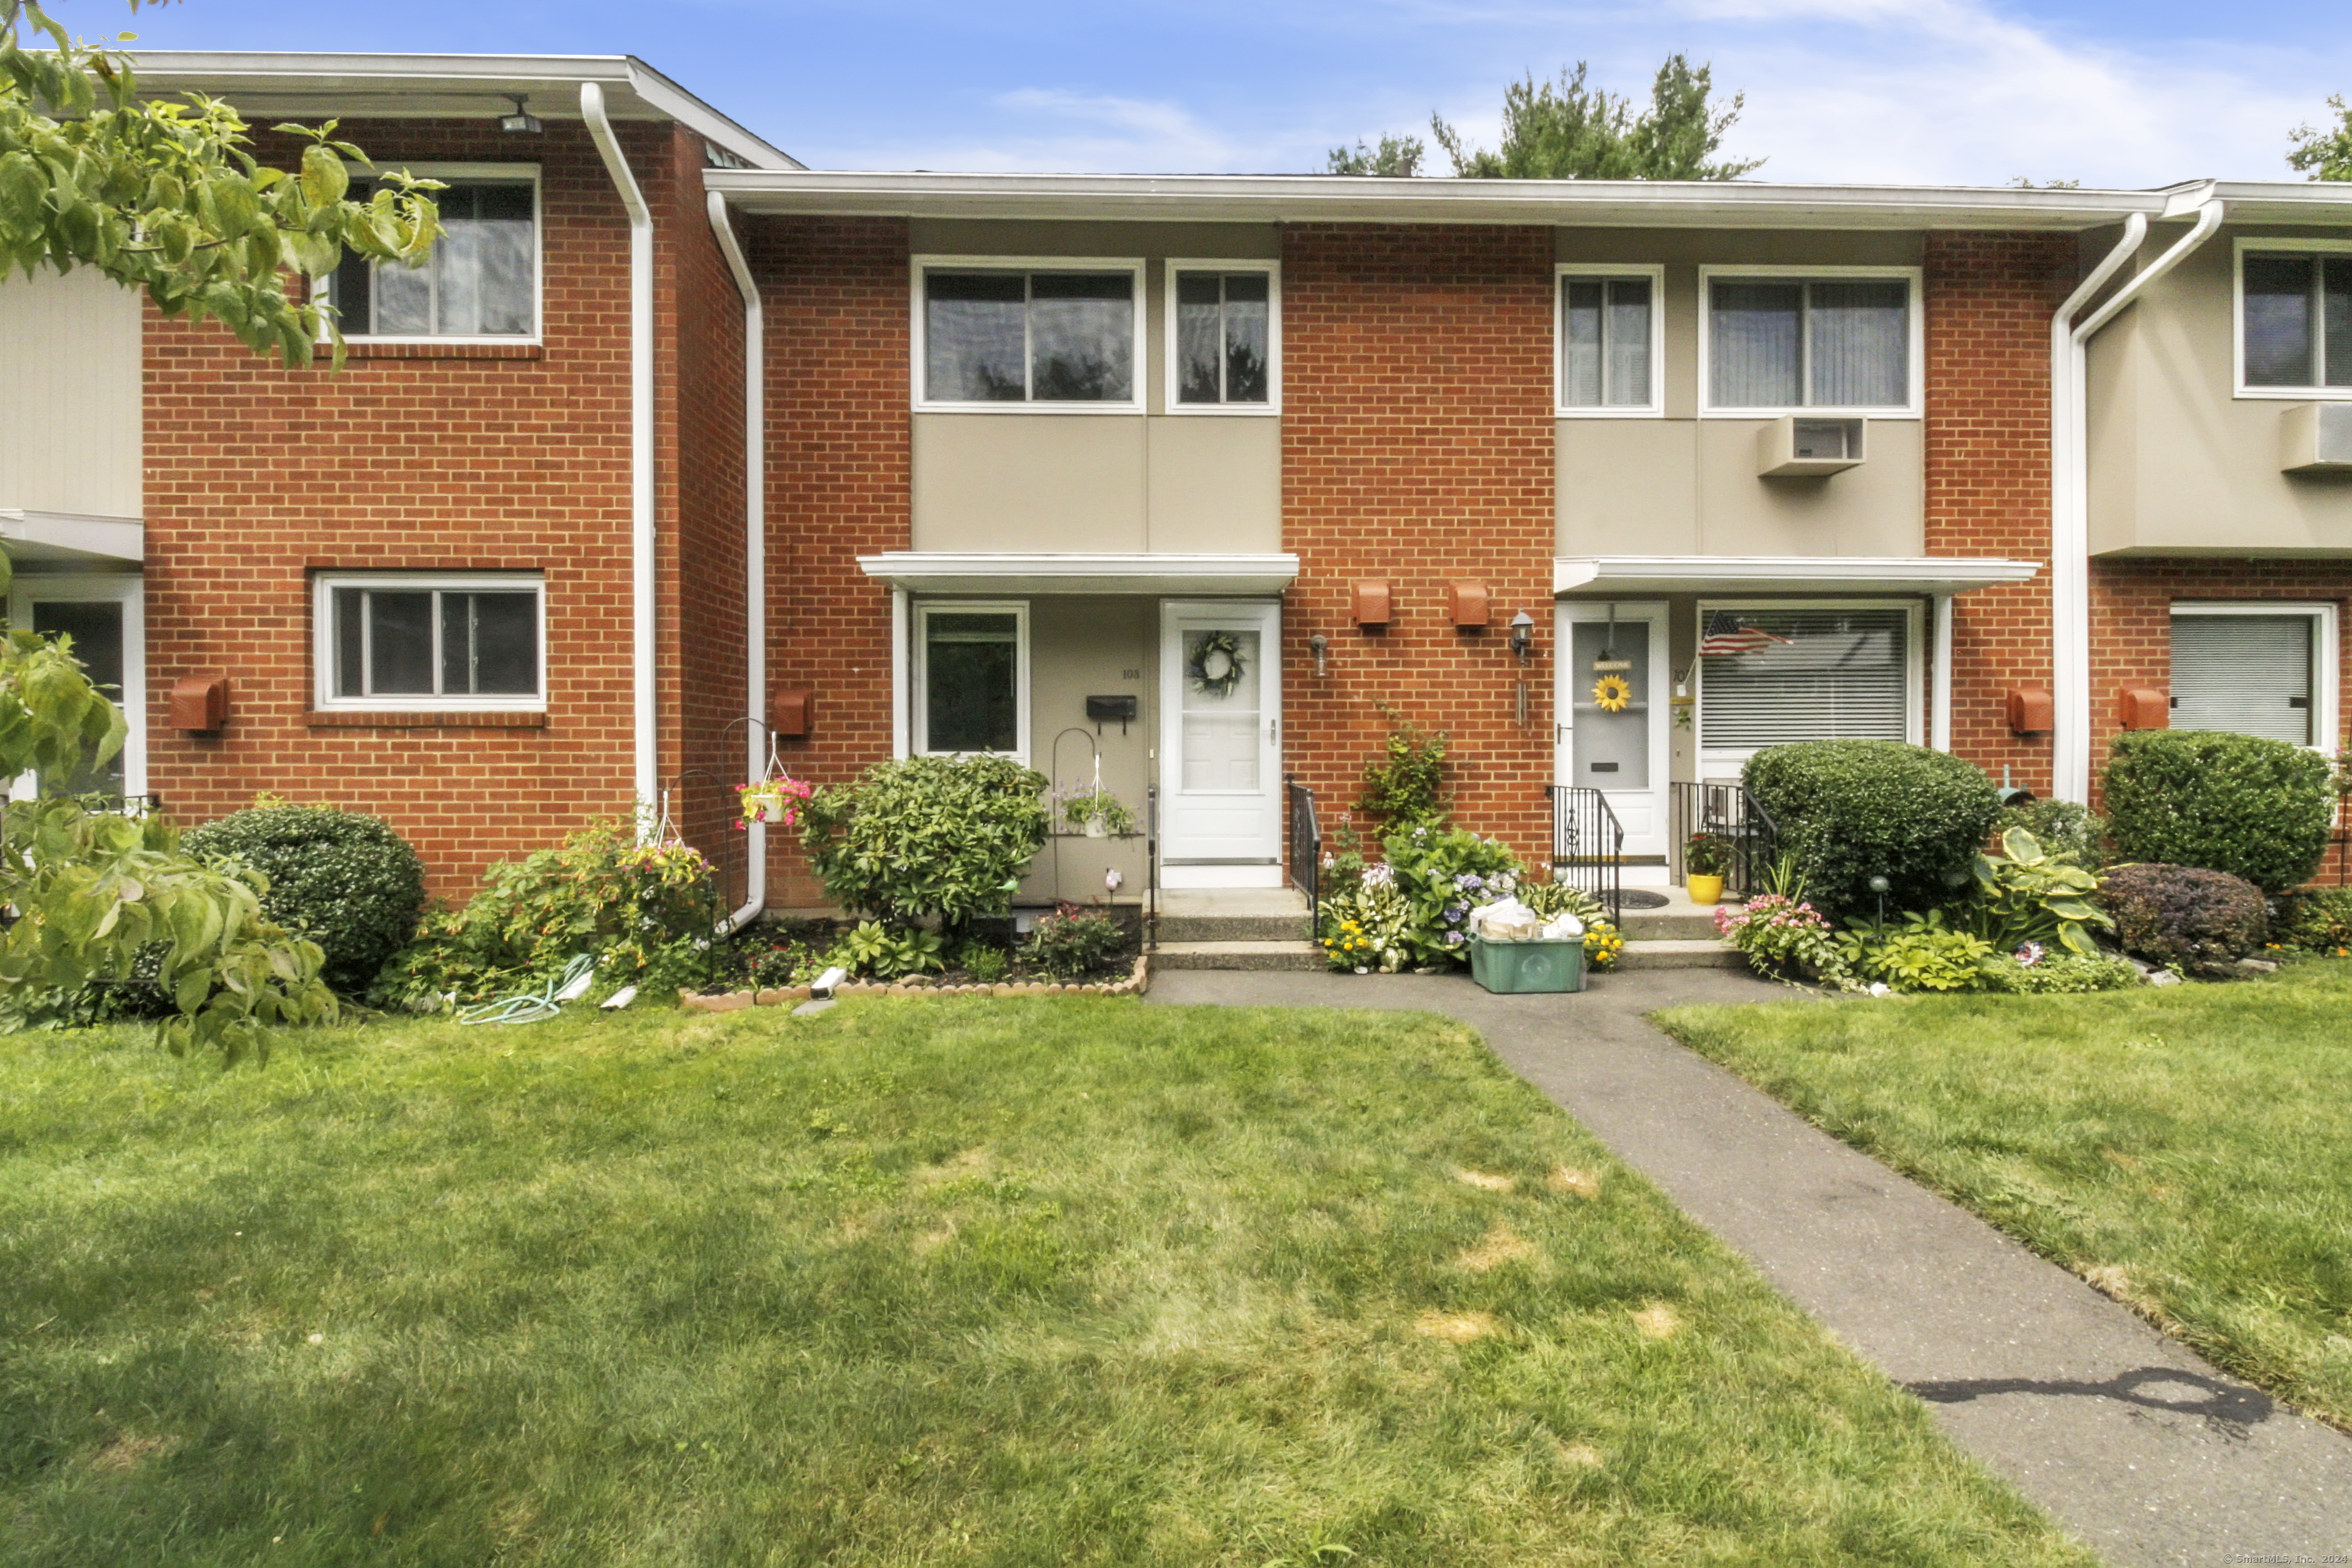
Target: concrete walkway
2134, 1443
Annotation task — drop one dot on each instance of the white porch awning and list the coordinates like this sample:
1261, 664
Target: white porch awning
925, 572
71, 538
1785, 574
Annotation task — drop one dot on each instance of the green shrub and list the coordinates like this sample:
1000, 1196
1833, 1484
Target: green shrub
2255, 808
1851, 810
2027, 894
1443, 873
1074, 942
1921, 954
2060, 975
927, 838
1404, 786
1782, 937
346, 882
648, 912
2317, 921
2062, 828
2203, 921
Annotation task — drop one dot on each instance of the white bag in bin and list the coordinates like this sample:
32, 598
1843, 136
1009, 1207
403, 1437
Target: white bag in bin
1506, 920
1566, 928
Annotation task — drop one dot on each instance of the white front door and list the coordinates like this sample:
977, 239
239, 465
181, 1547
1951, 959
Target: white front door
1613, 706
1221, 743
106, 617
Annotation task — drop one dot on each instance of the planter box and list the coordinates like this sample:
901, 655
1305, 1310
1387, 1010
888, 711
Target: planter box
1519, 968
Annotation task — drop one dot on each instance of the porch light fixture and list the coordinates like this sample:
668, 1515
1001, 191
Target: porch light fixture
1320, 647
1523, 635
522, 122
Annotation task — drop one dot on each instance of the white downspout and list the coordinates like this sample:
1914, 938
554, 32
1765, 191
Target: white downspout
901, 744
755, 552
1940, 735
644, 624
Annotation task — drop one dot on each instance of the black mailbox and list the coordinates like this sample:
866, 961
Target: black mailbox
1120, 708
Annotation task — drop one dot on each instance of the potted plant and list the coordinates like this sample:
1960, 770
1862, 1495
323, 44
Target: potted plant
1705, 857
1097, 810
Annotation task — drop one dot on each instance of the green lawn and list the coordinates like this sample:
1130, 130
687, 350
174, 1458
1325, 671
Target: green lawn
2187, 1150
1052, 1281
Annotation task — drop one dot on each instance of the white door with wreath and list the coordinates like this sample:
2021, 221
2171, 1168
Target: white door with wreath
1221, 743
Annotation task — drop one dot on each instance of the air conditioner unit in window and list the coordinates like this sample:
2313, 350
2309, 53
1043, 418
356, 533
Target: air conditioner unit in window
2317, 439
1794, 446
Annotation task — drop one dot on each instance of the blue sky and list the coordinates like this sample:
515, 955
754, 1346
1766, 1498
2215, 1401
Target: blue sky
1857, 90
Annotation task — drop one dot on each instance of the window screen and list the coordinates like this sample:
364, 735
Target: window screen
96, 627
480, 283
2298, 319
971, 671
400, 641
2248, 674
1604, 343
1028, 337
1827, 343
1769, 677
1223, 337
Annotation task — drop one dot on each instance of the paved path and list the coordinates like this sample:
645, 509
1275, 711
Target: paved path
2127, 1439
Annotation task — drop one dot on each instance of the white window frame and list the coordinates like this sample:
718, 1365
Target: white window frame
128, 589
917, 266
323, 641
1273, 403
2325, 652
513, 174
2238, 317
1656, 275
918, 659
1913, 670
1912, 408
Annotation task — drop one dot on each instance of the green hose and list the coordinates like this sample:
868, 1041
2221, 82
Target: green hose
529, 1006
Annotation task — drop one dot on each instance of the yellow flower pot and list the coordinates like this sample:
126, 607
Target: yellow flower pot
1706, 889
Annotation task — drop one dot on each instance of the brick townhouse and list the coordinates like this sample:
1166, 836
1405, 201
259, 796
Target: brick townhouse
680, 455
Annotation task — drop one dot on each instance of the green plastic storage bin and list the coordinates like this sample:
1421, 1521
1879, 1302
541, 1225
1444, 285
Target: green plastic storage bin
1516, 968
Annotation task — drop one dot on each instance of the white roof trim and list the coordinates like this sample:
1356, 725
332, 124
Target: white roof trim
1785, 574
71, 536
941, 572
410, 87
1265, 198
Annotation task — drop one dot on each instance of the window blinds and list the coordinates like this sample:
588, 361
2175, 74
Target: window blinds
1839, 675
2249, 674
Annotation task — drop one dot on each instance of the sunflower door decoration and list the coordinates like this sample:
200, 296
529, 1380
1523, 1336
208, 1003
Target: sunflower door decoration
1613, 692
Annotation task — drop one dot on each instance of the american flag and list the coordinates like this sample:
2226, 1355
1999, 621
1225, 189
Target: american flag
1727, 635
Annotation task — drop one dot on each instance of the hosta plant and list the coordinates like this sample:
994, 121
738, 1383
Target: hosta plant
2029, 894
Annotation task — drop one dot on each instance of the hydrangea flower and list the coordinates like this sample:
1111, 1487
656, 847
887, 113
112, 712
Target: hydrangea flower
2029, 955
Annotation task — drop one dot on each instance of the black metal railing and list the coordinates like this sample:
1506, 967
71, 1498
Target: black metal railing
1151, 868
1306, 845
1588, 845
1725, 812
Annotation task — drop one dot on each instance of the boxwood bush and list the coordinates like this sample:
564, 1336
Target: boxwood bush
926, 837
2203, 921
1850, 810
2255, 808
347, 881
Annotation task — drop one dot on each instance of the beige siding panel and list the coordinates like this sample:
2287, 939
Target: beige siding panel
2178, 463
1080, 648
1628, 487
1028, 482
1215, 484
1735, 247
70, 379
1874, 510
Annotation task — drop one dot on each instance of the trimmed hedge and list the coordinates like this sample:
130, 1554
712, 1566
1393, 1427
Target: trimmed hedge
2255, 808
1850, 810
347, 881
2203, 921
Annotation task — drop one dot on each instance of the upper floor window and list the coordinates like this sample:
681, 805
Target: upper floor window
1223, 337
1611, 331
2296, 318
431, 639
482, 281
1063, 333
1801, 338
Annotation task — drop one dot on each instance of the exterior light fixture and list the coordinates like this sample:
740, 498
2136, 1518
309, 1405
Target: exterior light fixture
1523, 635
522, 122
1320, 647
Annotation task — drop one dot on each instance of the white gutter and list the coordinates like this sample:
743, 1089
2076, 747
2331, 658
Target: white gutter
901, 743
1940, 694
2070, 484
755, 554
644, 625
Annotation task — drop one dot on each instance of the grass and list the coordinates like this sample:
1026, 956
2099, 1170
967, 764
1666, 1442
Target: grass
1061, 1281
2187, 1150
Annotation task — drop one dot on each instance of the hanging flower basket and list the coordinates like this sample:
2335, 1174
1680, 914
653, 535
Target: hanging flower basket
775, 801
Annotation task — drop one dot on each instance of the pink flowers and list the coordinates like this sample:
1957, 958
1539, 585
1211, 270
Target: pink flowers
776, 799
1775, 910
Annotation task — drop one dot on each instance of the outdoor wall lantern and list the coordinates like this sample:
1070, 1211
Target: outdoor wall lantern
1320, 647
522, 122
1523, 635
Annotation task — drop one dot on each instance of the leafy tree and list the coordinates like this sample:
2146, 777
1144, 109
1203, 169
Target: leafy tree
1396, 156
2324, 153
162, 195
1578, 131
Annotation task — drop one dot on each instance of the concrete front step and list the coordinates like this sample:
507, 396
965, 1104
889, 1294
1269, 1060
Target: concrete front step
1295, 954
1667, 925
1233, 914
1711, 953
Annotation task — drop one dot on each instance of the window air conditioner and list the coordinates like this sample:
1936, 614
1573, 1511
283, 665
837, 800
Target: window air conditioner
1794, 446
2317, 439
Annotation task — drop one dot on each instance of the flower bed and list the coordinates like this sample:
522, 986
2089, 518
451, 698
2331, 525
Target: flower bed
1137, 981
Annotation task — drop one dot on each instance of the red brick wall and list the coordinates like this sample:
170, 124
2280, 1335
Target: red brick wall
839, 485
1417, 447
257, 475
1989, 303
